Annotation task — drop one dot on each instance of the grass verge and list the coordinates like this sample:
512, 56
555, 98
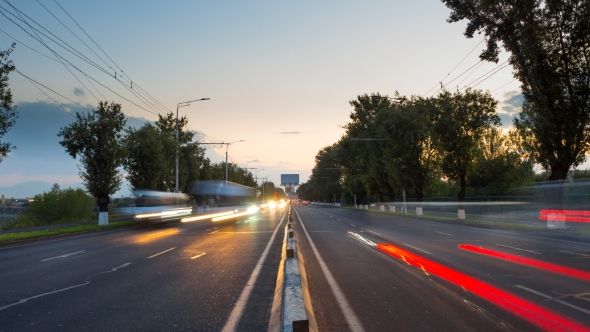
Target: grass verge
9, 237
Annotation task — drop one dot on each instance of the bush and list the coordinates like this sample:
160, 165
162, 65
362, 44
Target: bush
57, 207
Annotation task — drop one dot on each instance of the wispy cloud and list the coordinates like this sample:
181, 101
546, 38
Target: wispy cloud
289, 132
79, 92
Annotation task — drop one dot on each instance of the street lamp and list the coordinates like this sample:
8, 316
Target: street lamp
179, 105
226, 147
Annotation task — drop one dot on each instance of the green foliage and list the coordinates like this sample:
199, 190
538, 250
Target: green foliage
8, 112
409, 148
57, 207
549, 43
97, 139
459, 121
145, 162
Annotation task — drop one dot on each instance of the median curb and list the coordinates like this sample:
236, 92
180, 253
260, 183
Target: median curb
291, 308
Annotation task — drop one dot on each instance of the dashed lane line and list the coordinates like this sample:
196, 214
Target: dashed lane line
163, 252
515, 248
447, 234
424, 251
63, 256
554, 299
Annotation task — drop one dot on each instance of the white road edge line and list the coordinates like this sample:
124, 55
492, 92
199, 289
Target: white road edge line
554, 299
534, 252
214, 232
234, 318
424, 251
158, 254
199, 255
62, 256
444, 233
353, 322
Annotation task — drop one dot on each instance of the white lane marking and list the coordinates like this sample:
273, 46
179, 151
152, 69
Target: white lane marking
444, 233
574, 253
374, 233
63, 256
352, 320
554, 299
86, 282
154, 234
199, 255
158, 254
236, 313
352, 225
534, 252
338, 219
405, 244
214, 232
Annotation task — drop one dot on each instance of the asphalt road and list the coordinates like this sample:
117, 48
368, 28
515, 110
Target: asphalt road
356, 286
197, 276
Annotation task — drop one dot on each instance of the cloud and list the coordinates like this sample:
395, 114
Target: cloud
79, 92
289, 132
509, 107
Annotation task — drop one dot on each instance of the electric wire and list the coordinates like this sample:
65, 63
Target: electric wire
79, 55
54, 101
504, 85
155, 100
68, 69
476, 46
44, 86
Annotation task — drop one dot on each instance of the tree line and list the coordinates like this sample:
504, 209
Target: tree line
449, 144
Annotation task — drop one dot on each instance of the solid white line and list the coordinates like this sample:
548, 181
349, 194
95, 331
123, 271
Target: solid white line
158, 254
554, 299
199, 255
352, 320
443, 233
62, 256
238, 310
534, 252
417, 248
214, 232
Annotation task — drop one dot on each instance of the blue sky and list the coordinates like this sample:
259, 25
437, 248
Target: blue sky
269, 67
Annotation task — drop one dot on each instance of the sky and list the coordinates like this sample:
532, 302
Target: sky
279, 75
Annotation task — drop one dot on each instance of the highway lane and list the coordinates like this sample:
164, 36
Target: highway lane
172, 276
383, 291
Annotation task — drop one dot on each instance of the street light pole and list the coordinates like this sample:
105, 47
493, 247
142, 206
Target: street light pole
179, 105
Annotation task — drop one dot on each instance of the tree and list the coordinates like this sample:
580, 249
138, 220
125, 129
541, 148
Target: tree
459, 120
8, 112
191, 156
145, 161
549, 45
410, 151
97, 139
368, 154
497, 165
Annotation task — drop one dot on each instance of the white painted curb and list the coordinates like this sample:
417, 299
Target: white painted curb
291, 309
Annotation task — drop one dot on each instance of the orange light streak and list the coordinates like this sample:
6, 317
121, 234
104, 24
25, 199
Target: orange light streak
231, 216
529, 311
207, 216
528, 262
